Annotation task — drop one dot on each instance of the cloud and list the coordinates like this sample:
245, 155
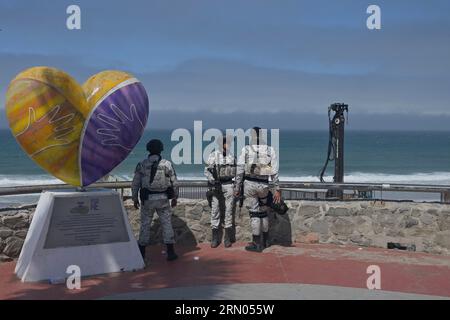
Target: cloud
223, 58
229, 86
217, 88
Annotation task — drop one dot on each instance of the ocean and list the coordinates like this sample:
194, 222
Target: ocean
388, 157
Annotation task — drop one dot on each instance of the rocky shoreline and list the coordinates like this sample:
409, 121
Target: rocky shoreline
359, 223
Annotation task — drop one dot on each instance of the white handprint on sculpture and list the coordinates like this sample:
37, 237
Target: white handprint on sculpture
113, 134
52, 128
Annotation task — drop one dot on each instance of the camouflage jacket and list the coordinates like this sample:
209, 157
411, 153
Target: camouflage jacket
225, 166
165, 177
260, 162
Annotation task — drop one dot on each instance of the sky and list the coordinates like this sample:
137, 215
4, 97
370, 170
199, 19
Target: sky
240, 63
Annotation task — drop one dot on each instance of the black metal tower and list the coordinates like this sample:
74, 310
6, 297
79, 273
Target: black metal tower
336, 146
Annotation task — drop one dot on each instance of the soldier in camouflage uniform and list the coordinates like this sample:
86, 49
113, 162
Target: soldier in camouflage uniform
155, 181
220, 171
257, 163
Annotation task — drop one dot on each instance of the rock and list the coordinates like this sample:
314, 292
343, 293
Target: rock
377, 228
342, 227
392, 232
416, 212
385, 212
342, 238
386, 220
312, 238
308, 211
443, 239
22, 224
197, 227
21, 233
339, 212
364, 225
409, 222
2, 245
433, 211
426, 218
194, 212
336, 241
360, 240
12, 221
444, 223
205, 219
5, 232
5, 258
403, 210
308, 238
320, 227
13, 247
364, 205
179, 211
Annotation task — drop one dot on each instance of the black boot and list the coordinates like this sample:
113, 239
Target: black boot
227, 238
255, 246
233, 235
171, 255
215, 238
142, 250
266, 243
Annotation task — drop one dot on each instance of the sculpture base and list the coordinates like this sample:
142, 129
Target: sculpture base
89, 230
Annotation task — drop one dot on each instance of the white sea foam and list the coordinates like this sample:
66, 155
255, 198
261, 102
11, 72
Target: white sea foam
434, 178
22, 180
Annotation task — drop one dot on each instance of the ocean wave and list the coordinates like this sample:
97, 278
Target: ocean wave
436, 178
22, 180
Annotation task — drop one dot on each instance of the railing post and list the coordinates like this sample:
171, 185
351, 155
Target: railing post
445, 197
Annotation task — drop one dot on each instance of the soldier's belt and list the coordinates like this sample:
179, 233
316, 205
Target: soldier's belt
226, 181
223, 181
255, 214
262, 180
157, 192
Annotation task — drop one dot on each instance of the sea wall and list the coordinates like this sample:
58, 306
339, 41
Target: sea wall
359, 223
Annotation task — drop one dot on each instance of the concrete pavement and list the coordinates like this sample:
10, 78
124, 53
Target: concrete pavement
297, 272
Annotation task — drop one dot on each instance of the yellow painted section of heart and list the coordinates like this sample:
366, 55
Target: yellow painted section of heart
47, 109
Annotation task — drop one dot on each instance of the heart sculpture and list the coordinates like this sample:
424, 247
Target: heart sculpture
76, 133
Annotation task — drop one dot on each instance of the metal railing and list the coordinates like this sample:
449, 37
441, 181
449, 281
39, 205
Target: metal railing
195, 189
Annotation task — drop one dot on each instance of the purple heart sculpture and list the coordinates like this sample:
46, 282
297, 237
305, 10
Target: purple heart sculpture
114, 126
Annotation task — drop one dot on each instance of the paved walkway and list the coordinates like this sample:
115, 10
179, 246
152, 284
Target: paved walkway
300, 272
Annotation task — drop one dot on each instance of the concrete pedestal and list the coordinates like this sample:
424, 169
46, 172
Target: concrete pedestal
85, 229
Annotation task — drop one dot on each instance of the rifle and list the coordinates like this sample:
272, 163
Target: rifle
214, 189
240, 198
217, 185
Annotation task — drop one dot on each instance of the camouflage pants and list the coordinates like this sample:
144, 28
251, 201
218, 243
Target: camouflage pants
164, 211
223, 203
257, 193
